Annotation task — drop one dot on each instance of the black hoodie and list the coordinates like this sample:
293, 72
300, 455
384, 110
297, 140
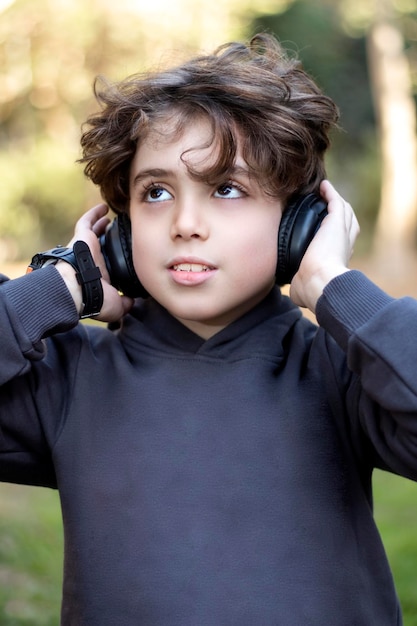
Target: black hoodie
213, 483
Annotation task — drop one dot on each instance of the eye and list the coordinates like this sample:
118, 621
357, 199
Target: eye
156, 193
229, 190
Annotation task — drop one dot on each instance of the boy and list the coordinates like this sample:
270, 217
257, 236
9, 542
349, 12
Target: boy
214, 455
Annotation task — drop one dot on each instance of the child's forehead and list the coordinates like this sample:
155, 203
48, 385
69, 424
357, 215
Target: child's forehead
195, 146
173, 124
190, 134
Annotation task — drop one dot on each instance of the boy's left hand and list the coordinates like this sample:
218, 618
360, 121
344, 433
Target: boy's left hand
89, 228
329, 253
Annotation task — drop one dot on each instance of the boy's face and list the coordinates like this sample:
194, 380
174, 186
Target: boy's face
207, 253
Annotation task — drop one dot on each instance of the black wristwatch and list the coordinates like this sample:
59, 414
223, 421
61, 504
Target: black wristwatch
87, 273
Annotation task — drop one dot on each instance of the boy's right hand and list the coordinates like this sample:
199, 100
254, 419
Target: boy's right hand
89, 228
329, 252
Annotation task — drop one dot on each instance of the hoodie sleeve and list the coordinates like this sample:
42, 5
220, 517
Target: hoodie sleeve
31, 308
379, 336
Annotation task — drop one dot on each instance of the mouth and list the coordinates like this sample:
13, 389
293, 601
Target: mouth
191, 267
191, 272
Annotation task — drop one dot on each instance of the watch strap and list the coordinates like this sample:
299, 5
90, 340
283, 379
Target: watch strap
87, 273
88, 276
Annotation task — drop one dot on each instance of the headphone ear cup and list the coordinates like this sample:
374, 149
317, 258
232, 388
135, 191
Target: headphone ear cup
286, 226
116, 247
299, 223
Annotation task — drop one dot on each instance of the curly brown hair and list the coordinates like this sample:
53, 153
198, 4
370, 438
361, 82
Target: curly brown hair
255, 93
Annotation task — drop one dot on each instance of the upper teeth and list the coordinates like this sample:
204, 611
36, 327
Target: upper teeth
191, 267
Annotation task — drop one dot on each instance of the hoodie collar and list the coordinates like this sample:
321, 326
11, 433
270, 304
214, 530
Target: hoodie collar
151, 324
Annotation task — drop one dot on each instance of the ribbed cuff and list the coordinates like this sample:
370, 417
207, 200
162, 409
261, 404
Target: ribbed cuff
42, 303
347, 303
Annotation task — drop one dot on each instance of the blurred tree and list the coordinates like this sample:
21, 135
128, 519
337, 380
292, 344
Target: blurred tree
338, 63
336, 60
50, 52
338, 41
395, 106
46, 60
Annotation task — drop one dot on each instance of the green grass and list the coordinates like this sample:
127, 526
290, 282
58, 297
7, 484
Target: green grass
396, 515
31, 549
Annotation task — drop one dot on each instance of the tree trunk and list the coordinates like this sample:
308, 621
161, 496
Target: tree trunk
394, 236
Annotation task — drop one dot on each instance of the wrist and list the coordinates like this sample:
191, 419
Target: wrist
306, 290
68, 274
86, 273
320, 281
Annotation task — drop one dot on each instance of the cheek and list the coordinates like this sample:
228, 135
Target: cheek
262, 249
141, 252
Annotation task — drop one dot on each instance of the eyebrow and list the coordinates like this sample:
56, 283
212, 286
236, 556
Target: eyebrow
239, 169
158, 172
151, 173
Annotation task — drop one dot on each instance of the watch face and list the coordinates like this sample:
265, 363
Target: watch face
51, 257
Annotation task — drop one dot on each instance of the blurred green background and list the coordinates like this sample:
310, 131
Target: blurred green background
50, 52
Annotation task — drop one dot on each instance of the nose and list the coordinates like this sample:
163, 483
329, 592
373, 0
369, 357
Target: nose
189, 220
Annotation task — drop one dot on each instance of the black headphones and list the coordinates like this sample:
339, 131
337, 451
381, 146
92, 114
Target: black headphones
300, 221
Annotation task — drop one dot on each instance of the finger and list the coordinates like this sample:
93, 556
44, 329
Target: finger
351, 222
100, 226
91, 217
356, 226
334, 200
337, 204
115, 306
328, 192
